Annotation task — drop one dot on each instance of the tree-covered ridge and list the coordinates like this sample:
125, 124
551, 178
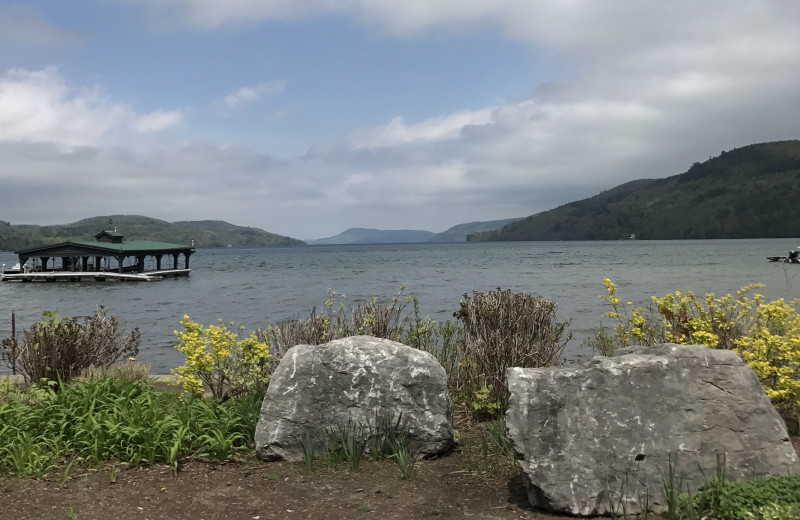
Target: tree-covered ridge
748, 192
208, 233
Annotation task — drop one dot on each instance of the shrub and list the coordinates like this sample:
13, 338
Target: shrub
217, 357
60, 348
374, 318
504, 329
772, 349
765, 334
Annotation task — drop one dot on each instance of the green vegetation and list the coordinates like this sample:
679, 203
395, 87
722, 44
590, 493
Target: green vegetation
762, 498
749, 192
218, 359
129, 421
207, 233
718, 498
115, 414
774, 498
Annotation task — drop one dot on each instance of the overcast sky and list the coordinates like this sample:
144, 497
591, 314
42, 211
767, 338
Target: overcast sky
307, 117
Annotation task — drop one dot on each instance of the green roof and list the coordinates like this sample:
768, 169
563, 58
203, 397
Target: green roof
131, 246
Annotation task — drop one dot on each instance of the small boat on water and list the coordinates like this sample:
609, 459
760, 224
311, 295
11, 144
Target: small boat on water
793, 258
14, 269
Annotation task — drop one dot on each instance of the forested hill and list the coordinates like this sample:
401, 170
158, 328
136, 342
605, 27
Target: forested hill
748, 192
206, 233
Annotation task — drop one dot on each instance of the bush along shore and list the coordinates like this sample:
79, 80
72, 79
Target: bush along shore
84, 400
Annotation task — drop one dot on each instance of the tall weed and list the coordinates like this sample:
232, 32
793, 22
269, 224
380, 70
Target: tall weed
377, 318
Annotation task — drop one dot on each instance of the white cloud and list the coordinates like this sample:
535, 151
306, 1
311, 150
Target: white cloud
156, 121
397, 133
249, 94
39, 106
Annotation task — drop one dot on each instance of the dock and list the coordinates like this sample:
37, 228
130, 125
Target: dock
108, 258
93, 276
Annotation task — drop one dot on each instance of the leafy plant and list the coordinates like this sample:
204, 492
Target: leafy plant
441, 340
222, 361
309, 451
740, 500
406, 460
386, 433
116, 419
482, 403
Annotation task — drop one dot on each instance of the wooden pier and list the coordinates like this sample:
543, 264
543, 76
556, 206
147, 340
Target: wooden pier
93, 276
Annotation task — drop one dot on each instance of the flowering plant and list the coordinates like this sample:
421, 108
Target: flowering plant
217, 357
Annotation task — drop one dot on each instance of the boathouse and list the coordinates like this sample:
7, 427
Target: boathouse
109, 256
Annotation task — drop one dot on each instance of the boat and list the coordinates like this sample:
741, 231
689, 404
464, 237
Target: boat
793, 258
14, 269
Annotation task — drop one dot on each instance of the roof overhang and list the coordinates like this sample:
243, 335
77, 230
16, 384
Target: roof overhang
103, 249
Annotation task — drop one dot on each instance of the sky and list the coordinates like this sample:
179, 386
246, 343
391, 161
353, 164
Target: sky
308, 117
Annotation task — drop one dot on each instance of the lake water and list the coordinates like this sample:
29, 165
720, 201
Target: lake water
260, 286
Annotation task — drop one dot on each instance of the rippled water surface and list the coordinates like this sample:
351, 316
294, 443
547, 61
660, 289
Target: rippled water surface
260, 286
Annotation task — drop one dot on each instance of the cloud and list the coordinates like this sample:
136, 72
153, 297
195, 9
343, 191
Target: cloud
646, 90
249, 94
156, 121
398, 133
39, 106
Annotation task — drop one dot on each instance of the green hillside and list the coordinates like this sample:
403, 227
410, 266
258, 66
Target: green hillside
209, 233
748, 192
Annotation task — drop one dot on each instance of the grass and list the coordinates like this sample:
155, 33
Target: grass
110, 419
387, 436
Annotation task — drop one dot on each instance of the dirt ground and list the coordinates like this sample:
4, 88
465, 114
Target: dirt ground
460, 485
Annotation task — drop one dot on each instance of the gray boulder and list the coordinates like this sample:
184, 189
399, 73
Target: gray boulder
592, 438
354, 379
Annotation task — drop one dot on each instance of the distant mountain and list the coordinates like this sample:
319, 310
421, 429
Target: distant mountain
748, 192
375, 236
209, 233
458, 233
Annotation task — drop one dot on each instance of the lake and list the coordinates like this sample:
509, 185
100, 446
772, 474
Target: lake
260, 286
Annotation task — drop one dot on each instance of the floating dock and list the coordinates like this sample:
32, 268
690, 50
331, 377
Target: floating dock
93, 276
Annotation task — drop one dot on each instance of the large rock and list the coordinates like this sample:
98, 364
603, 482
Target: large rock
352, 379
592, 437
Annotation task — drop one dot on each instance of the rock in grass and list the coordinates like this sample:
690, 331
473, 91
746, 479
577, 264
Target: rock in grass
353, 380
602, 438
